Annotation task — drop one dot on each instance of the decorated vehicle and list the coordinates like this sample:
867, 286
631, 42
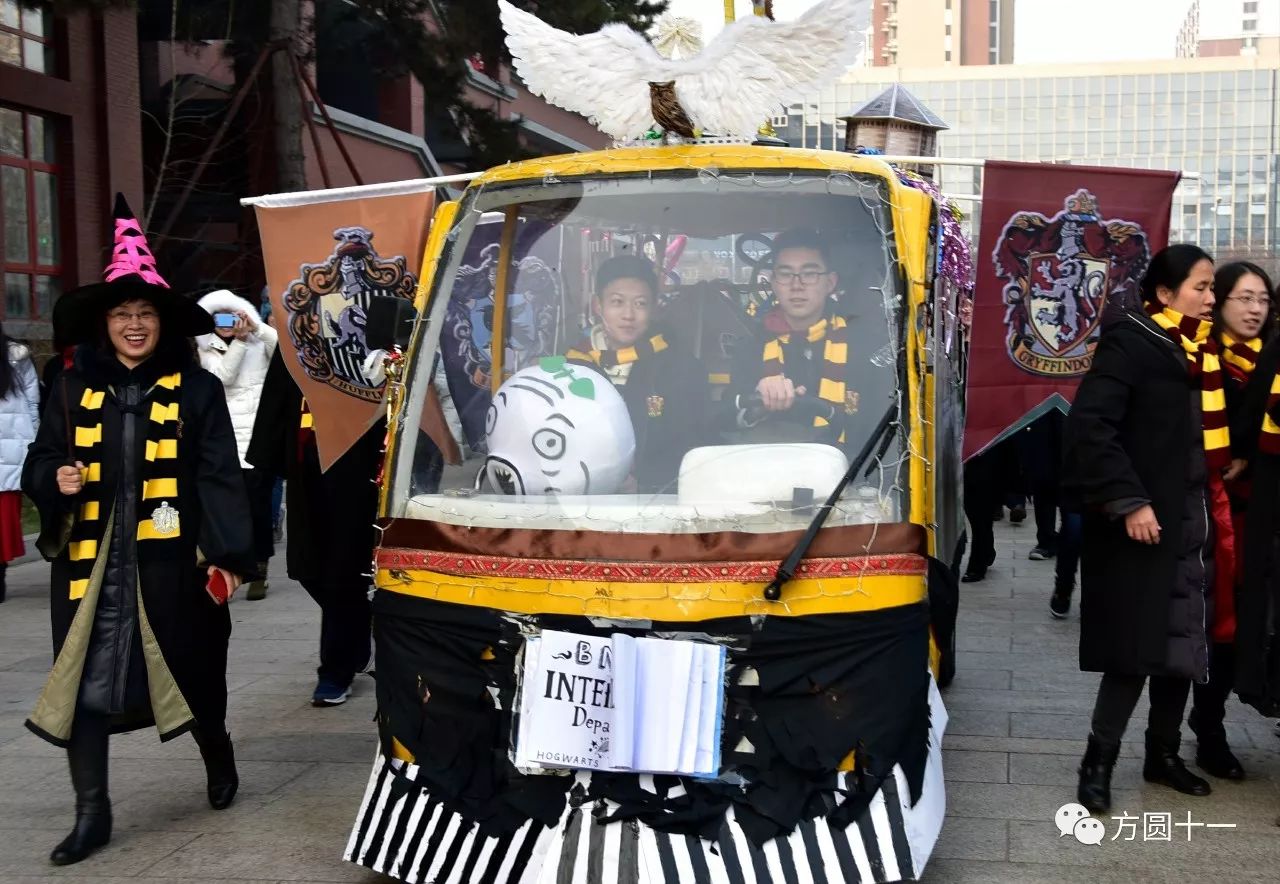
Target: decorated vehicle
670, 517
813, 545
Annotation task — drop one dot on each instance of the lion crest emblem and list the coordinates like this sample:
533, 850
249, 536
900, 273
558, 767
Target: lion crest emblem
328, 308
1059, 274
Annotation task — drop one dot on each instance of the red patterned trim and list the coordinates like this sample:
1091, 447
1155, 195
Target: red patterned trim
390, 558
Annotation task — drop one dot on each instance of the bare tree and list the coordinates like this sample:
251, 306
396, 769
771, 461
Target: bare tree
288, 33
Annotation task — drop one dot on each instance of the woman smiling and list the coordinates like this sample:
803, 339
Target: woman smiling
144, 516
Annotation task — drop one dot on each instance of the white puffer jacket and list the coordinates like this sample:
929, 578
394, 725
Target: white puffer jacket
19, 417
240, 365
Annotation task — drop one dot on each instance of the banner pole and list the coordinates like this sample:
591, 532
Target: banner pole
497, 343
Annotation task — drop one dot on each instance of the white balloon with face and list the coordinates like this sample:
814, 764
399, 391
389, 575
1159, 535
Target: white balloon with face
557, 428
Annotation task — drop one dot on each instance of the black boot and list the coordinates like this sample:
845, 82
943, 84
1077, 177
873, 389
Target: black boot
220, 768
1094, 788
1163, 766
1213, 755
87, 758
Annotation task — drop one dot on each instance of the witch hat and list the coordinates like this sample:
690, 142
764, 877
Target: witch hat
131, 275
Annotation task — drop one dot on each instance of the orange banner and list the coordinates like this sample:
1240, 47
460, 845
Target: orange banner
328, 255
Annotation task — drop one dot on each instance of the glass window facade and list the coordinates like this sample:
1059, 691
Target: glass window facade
30, 237
1223, 125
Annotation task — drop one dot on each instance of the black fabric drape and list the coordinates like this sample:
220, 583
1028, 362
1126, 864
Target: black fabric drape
827, 686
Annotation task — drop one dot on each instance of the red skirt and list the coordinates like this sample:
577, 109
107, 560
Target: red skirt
11, 542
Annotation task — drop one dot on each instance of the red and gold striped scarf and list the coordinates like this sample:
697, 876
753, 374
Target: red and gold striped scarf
835, 357
1242, 355
1201, 349
1269, 438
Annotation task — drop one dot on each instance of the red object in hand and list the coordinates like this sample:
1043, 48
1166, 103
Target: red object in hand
217, 588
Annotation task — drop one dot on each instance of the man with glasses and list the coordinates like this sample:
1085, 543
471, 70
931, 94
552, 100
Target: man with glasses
794, 375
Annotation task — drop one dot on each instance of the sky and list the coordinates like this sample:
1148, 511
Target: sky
1046, 31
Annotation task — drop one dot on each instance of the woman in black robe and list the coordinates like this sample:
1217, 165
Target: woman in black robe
1144, 433
664, 386
144, 516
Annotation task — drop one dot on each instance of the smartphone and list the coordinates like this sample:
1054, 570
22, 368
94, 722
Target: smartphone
217, 588
225, 320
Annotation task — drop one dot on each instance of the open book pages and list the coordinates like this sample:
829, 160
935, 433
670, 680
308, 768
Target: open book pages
621, 703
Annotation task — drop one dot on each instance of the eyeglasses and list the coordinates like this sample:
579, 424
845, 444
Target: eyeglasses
124, 317
807, 277
1251, 300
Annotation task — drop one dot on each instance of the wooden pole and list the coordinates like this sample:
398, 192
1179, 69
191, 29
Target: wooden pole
498, 340
328, 121
311, 123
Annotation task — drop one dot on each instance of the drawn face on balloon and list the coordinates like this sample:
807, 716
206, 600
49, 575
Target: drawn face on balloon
556, 428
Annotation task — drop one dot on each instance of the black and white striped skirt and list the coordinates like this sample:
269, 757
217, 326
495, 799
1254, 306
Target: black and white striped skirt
408, 835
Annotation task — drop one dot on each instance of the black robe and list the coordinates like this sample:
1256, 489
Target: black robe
190, 629
668, 397
1258, 599
330, 515
1133, 436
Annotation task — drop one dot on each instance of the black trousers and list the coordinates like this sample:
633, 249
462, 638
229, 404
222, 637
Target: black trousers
259, 484
1046, 509
1210, 700
345, 625
1119, 694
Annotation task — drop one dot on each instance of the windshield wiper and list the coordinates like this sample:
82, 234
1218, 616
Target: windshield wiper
787, 567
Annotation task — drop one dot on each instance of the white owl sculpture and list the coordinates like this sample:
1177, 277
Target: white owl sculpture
617, 79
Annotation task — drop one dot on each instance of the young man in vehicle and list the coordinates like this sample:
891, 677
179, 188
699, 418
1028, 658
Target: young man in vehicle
794, 376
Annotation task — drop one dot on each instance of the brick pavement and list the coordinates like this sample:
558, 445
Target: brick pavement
1018, 707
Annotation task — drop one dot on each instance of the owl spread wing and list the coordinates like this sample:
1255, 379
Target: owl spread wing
750, 68
603, 76
754, 65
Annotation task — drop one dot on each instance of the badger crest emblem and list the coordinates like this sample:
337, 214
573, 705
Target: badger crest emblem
328, 308
1059, 274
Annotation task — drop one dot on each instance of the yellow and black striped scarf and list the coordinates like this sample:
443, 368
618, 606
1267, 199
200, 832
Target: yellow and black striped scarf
608, 359
1201, 349
835, 357
158, 521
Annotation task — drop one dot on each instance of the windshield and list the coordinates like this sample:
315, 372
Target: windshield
662, 353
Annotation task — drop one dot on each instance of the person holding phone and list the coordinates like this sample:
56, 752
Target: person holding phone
144, 517
238, 353
1146, 444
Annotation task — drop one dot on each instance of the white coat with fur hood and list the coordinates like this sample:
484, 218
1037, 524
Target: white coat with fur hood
240, 365
19, 414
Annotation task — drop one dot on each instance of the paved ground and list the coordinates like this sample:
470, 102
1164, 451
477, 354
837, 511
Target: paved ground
1018, 707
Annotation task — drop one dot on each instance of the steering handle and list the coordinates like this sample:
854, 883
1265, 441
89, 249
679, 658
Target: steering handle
804, 409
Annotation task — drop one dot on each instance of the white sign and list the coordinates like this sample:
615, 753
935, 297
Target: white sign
621, 703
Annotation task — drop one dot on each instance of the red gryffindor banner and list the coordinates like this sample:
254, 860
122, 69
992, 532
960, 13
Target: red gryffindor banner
1058, 244
328, 256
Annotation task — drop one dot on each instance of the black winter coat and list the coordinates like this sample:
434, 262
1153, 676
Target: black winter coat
331, 514
190, 629
1134, 436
